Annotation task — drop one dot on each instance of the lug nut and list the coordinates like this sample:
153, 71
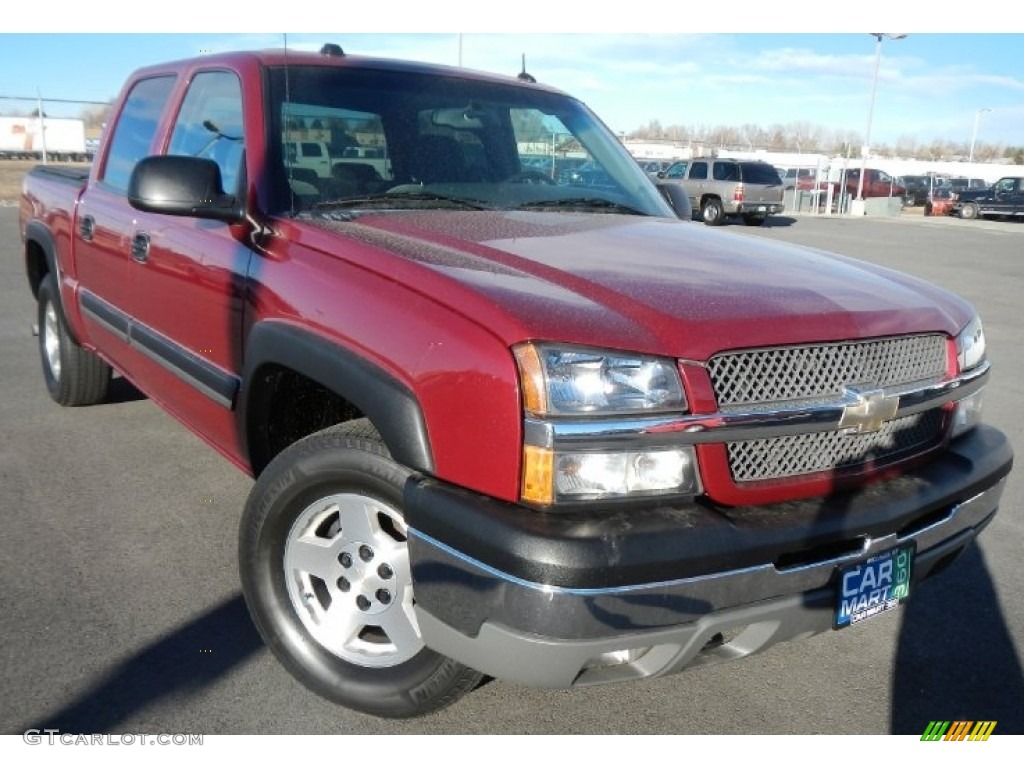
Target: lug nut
384, 571
363, 603
343, 584
383, 596
366, 553
345, 559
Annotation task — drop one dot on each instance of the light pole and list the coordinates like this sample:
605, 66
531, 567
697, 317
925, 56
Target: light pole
974, 135
871, 109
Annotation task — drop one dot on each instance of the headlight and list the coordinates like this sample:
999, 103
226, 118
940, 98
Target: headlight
564, 381
560, 476
580, 385
970, 345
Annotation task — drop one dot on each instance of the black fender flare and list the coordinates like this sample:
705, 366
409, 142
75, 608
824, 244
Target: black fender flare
387, 402
37, 231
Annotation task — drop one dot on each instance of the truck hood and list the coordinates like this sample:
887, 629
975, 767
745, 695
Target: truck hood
647, 284
975, 195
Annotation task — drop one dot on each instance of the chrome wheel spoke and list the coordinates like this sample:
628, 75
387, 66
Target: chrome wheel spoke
399, 624
359, 520
342, 624
313, 555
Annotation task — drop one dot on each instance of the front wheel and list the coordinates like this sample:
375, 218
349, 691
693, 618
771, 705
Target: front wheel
73, 375
969, 211
325, 570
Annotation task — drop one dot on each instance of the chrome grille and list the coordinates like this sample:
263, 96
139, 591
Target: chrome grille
753, 460
819, 372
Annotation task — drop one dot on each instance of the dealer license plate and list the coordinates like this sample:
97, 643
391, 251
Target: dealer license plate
874, 586
760, 208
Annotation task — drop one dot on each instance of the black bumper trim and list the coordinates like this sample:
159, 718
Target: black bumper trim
629, 546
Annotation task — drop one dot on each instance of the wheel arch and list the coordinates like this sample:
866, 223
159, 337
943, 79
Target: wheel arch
40, 255
363, 389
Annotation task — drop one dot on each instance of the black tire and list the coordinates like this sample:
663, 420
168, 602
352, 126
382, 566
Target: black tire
754, 219
340, 489
969, 211
74, 376
712, 212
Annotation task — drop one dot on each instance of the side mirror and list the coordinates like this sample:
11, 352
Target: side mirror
677, 199
178, 185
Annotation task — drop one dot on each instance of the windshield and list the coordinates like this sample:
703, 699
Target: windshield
384, 139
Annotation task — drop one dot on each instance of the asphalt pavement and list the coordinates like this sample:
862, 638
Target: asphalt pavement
121, 610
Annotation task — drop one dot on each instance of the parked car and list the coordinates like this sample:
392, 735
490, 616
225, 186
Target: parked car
877, 183
917, 189
309, 155
720, 187
653, 167
802, 178
1004, 198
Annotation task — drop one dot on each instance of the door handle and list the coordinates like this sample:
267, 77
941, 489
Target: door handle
140, 247
87, 227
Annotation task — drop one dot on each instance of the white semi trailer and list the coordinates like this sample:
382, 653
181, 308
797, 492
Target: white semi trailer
26, 138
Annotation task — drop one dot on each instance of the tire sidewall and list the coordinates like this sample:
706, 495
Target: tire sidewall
47, 297
711, 211
285, 489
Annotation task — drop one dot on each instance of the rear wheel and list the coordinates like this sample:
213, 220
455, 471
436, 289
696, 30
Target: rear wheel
73, 375
711, 211
325, 570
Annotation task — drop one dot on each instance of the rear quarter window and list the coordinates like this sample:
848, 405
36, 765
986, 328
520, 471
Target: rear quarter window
757, 173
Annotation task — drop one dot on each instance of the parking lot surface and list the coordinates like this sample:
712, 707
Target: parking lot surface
122, 612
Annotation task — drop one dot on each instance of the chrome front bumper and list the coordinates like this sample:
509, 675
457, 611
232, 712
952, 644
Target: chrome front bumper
535, 632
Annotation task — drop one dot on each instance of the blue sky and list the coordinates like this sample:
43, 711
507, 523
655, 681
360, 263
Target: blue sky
931, 84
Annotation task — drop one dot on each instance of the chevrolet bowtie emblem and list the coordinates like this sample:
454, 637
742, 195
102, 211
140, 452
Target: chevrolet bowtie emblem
869, 411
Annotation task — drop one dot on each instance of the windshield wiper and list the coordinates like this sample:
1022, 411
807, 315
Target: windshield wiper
581, 204
419, 200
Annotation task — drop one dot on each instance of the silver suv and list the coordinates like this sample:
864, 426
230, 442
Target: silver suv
720, 187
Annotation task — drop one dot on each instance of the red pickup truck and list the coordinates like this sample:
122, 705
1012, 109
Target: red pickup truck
876, 184
499, 424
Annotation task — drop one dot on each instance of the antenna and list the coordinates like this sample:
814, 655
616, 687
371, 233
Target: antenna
284, 128
525, 76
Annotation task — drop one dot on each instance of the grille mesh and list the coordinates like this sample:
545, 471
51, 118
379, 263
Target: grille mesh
820, 372
776, 457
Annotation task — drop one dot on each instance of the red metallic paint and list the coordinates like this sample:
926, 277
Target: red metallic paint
436, 299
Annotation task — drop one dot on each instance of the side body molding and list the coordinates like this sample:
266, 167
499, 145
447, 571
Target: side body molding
384, 400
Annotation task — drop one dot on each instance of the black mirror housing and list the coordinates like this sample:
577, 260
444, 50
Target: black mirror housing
178, 185
677, 199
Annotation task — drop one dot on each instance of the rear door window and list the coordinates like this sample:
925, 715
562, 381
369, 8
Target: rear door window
135, 129
699, 170
726, 172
